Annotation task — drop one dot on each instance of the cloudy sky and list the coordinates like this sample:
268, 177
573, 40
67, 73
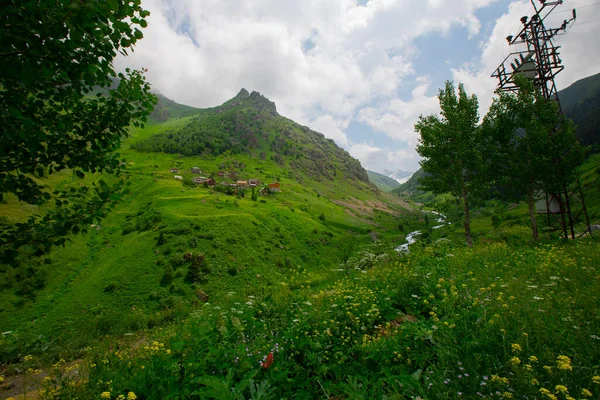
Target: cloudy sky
360, 72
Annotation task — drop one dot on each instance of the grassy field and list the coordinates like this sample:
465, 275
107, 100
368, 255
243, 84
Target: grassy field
502, 320
133, 271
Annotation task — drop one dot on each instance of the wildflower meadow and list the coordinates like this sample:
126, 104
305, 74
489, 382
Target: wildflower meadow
505, 319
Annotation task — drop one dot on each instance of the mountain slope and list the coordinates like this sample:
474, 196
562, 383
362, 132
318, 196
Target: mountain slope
398, 175
581, 103
383, 182
167, 108
249, 124
171, 244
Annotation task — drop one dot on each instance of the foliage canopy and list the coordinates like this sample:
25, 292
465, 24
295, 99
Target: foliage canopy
53, 55
450, 146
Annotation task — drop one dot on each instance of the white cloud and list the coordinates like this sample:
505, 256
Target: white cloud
201, 52
377, 159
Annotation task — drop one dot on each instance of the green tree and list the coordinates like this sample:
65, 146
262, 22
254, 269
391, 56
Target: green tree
535, 147
450, 145
57, 113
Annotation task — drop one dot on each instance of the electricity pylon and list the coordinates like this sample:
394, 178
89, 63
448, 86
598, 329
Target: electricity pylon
536, 56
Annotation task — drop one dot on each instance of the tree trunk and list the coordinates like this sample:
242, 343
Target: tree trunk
531, 204
465, 197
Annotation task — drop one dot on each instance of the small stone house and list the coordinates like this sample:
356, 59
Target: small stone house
199, 179
178, 177
253, 182
274, 187
173, 170
195, 170
242, 184
210, 182
221, 174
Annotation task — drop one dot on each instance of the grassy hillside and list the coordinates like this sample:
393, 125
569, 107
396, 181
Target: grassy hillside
383, 182
581, 103
443, 322
166, 108
248, 125
171, 245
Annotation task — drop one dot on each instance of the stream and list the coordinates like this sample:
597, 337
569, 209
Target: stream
412, 236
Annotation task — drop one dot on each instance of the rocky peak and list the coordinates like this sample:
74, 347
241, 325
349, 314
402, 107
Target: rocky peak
242, 94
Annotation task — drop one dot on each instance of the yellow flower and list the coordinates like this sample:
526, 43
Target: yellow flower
131, 396
105, 395
528, 367
507, 395
121, 397
27, 358
533, 359
586, 393
548, 369
596, 379
515, 361
516, 348
534, 382
564, 363
544, 391
561, 389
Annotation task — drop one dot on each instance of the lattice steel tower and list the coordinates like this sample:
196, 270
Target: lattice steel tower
536, 56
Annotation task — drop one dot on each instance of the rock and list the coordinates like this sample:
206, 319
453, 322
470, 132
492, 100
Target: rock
594, 228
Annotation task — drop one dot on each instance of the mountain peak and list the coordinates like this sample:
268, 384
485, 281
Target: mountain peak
254, 99
243, 94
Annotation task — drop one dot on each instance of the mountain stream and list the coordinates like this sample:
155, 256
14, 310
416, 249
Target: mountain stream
412, 236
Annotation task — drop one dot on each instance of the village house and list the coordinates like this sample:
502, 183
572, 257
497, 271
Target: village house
195, 170
210, 182
242, 184
178, 177
224, 183
253, 182
173, 170
274, 187
199, 179
233, 175
221, 174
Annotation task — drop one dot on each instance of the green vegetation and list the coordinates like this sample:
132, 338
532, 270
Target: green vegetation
533, 148
249, 124
278, 277
451, 147
580, 102
383, 182
442, 322
49, 124
170, 245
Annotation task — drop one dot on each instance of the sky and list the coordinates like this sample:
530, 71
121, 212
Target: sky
359, 71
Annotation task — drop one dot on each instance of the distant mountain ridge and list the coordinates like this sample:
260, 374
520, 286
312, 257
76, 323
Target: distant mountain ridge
581, 103
398, 175
249, 124
383, 182
166, 108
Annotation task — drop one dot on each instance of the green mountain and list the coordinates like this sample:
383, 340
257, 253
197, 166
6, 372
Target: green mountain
167, 108
581, 103
249, 124
411, 187
172, 244
383, 182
